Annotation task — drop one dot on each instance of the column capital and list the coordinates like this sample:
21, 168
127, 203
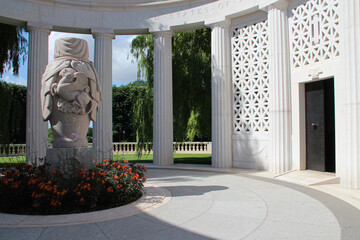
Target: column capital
33, 26
219, 23
103, 32
168, 33
268, 5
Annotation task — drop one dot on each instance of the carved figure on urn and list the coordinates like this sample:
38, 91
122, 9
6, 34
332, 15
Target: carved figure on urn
70, 93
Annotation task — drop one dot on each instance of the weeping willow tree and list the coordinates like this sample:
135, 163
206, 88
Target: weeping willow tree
142, 49
192, 85
12, 48
191, 57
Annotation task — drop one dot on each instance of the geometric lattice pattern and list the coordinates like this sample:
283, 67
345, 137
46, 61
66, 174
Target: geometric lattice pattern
250, 65
314, 32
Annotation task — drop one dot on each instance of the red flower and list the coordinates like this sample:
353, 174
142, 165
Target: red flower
110, 189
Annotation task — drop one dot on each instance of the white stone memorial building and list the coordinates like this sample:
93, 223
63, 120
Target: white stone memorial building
285, 75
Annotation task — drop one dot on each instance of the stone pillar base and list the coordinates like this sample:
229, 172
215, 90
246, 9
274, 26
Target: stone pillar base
68, 160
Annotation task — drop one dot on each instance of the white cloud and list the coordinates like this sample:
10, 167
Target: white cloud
123, 69
9, 78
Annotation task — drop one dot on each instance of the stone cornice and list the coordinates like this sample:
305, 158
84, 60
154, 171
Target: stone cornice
38, 26
268, 5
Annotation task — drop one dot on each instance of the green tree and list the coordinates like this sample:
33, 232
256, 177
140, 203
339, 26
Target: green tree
191, 81
192, 85
13, 47
129, 103
13, 113
142, 49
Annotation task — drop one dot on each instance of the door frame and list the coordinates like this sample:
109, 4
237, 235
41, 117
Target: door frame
299, 77
328, 116
299, 111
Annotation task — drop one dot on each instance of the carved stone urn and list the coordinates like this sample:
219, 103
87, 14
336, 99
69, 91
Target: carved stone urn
70, 93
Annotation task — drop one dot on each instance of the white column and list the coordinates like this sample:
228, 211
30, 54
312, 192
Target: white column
221, 117
163, 103
102, 131
36, 128
349, 119
280, 101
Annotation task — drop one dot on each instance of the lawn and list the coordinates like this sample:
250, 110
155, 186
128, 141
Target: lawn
178, 158
145, 158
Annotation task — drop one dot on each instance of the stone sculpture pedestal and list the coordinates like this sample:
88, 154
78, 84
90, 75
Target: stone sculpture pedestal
68, 160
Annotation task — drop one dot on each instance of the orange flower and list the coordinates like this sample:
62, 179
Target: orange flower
136, 177
110, 189
116, 177
78, 193
105, 160
82, 200
144, 178
126, 161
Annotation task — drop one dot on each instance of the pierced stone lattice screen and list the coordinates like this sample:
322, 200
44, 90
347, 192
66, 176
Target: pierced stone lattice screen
250, 64
314, 32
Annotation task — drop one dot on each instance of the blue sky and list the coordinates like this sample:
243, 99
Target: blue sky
124, 66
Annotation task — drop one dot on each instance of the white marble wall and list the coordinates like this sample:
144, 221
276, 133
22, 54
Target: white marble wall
349, 118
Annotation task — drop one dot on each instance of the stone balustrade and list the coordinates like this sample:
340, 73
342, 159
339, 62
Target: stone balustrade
12, 149
118, 148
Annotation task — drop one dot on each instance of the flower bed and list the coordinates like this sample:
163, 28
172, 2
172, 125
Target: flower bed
25, 189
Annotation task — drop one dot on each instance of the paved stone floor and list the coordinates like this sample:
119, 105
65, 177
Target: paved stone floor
210, 205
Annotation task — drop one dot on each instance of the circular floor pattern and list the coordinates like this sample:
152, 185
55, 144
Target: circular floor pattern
210, 205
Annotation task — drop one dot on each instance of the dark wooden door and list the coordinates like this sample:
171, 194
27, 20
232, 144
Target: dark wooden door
320, 126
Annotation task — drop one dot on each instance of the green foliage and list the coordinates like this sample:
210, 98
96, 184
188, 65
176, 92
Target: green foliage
130, 103
142, 49
12, 47
89, 135
192, 85
191, 82
143, 120
50, 135
13, 113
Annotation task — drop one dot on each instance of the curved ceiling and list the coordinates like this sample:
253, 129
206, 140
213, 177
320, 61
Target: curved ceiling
116, 4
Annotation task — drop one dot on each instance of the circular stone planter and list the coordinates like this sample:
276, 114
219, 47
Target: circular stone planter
153, 197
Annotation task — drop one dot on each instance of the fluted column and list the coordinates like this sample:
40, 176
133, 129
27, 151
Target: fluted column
280, 102
163, 103
36, 128
221, 120
349, 117
102, 131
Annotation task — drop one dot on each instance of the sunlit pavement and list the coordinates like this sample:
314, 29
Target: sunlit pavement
203, 203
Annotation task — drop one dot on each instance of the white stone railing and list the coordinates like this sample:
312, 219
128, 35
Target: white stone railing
12, 149
183, 147
118, 148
